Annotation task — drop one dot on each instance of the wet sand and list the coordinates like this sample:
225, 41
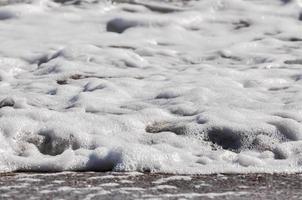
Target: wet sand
93, 185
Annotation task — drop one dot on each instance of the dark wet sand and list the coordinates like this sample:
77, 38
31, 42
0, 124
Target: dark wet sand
92, 185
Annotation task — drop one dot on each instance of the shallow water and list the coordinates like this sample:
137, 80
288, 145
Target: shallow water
155, 86
149, 186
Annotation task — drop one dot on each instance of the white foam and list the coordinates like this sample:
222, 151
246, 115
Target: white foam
173, 178
195, 87
208, 195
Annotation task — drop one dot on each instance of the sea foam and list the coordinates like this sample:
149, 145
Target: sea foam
151, 86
